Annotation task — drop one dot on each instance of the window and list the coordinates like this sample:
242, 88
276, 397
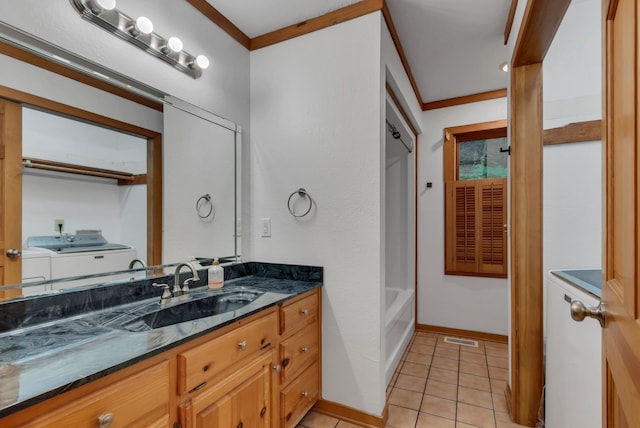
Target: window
475, 171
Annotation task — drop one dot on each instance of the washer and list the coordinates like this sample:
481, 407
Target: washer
80, 254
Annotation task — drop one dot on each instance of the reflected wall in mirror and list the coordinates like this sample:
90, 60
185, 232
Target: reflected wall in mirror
161, 223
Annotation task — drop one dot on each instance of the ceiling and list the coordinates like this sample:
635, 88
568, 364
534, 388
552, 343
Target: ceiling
453, 47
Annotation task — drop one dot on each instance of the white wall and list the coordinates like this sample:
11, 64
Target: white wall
468, 303
316, 115
573, 172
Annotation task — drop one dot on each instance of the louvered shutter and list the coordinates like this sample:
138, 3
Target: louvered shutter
475, 242
493, 218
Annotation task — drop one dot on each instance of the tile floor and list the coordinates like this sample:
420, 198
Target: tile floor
442, 385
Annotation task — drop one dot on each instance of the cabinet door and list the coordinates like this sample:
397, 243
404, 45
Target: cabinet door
242, 400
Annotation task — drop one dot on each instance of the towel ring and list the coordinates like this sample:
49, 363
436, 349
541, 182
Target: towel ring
303, 194
202, 200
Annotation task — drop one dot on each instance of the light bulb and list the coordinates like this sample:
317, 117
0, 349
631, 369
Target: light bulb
202, 61
174, 44
144, 25
99, 6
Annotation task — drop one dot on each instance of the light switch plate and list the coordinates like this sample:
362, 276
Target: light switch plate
266, 227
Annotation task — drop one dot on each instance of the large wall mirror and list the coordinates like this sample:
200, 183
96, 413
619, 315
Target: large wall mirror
97, 193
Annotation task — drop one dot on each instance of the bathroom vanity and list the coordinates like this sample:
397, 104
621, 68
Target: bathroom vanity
254, 366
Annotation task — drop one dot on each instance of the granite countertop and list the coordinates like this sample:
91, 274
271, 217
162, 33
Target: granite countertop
39, 355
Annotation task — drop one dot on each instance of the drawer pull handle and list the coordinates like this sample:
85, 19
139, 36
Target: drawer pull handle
263, 411
277, 368
243, 345
304, 312
105, 420
304, 349
240, 425
305, 394
285, 362
199, 387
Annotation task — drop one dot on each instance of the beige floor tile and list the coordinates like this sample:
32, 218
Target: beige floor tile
498, 373
343, 424
499, 402
473, 349
411, 383
318, 420
503, 421
451, 353
414, 357
471, 357
496, 345
495, 361
442, 389
496, 352
415, 369
444, 363
405, 398
431, 421
399, 417
473, 381
475, 397
498, 385
425, 340
474, 368
463, 425
476, 416
438, 406
443, 375
422, 349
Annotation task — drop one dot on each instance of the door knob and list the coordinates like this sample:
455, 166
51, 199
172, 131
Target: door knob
579, 312
12, 253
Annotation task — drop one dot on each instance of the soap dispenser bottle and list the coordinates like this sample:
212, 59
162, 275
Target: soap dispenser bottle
215, 275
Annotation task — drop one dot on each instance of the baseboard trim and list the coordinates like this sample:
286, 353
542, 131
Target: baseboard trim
507, 397
478, 335
349, 414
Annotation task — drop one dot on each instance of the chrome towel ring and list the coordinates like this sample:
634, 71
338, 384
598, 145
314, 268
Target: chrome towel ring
203, 201
302, 193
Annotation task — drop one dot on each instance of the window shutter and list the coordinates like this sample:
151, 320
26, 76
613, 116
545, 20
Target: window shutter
492, 220
475, 242
462, 248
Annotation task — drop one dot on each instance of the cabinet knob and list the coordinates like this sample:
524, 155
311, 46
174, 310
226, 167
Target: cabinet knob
304, 349
304, 312
277, 368
243, 345
305, 394
105, 420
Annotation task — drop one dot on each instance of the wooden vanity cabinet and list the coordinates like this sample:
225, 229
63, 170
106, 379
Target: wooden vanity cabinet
298, 357
139, 400
259, 372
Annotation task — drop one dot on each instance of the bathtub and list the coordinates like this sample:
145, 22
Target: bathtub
399, 326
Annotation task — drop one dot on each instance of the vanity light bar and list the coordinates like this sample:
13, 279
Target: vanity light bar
139, 32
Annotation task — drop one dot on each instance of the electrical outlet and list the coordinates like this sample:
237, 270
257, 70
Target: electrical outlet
58, 225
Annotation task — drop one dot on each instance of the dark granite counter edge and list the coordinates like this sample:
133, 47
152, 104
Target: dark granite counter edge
130, 362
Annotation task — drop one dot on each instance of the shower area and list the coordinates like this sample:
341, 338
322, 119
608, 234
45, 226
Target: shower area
399, 290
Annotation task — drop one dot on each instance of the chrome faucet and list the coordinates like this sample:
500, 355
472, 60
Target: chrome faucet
177, 290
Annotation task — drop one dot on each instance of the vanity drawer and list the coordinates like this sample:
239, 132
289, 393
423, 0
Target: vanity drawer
297, 314
299, 397
202, 363
141, 400
298, 351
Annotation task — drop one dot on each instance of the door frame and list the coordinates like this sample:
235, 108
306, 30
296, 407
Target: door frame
540, 23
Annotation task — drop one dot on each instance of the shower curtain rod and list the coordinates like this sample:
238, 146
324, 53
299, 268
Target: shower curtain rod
397, 136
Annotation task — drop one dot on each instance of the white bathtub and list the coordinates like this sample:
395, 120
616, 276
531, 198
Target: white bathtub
399, 326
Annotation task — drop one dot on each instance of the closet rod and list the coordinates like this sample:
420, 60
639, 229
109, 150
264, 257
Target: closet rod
77, 169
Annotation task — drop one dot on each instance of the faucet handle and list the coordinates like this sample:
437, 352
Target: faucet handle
166, 294
185, 285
